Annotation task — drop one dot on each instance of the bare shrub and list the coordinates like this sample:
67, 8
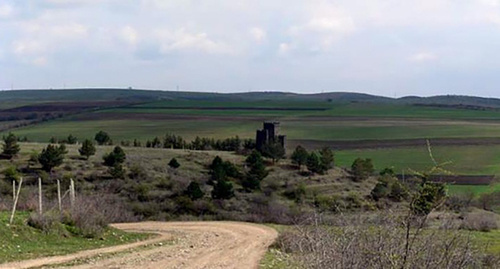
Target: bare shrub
359, 243
48, 222
91, 215
479, 221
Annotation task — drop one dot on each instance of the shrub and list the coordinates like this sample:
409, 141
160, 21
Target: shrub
117, 171
361, 169
117, 156
48, 222
223, 190
11, 174
174, 163
381, 190
479, 221
194, 191
102, 138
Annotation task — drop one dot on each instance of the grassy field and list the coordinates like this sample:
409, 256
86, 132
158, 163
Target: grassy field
326, 109
21, 242
463, 189
129, 127
467, 160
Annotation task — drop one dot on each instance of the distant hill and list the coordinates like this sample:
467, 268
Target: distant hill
133, 95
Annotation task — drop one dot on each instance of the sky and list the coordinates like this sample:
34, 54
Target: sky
385, 47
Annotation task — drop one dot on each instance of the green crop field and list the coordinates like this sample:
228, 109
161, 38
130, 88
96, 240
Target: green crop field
475, 189
128, 126
463, 160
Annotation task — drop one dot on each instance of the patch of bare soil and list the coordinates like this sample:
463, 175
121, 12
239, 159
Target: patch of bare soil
196, 245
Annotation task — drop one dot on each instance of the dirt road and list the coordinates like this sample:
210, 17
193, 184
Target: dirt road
191, 245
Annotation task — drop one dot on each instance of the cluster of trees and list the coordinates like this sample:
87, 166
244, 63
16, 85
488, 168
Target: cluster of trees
199, 143
316, 162
71, 139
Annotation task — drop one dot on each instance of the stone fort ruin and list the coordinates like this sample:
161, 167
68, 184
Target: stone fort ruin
269, 134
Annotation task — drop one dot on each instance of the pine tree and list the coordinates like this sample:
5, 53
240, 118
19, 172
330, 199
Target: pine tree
274, 150
52, 156
87, 149
10, 146
117, 156
314, 163
299, 156
326, 158
194, 191
223, 190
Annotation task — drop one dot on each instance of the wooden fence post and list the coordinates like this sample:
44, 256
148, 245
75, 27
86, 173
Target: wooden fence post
72, 193
15, 201
40, 198
13, 190
59, 195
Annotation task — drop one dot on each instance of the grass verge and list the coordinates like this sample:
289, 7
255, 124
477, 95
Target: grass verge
22, 242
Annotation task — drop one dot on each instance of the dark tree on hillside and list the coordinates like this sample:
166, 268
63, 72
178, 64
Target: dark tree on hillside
71, 139
117, 156
256, 173
174, 163
299, 156
326, 158
102, 138
314, 163
223, 190
87, 149
275, 151
10, 146
52, 156
361, 169
194, 191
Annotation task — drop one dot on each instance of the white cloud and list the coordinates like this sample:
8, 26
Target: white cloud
129, 35
182, 40
258, 34
27, 47
68, 31
423, 57
40, 61
6, 10
284, 49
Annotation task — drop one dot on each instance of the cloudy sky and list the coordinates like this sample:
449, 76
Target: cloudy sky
386, 47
